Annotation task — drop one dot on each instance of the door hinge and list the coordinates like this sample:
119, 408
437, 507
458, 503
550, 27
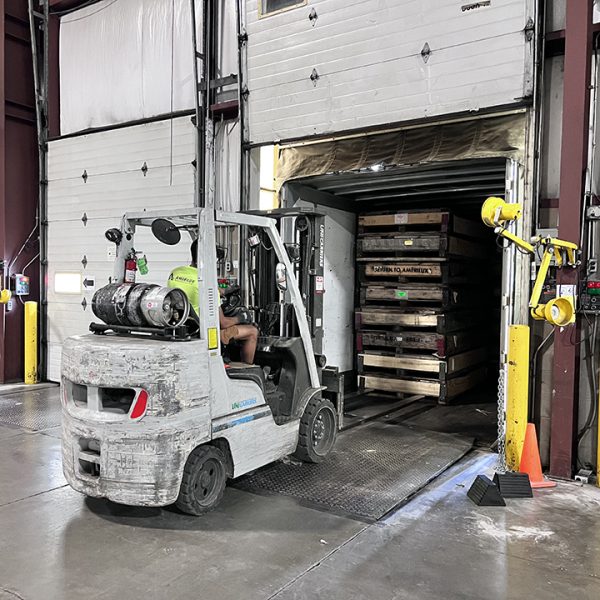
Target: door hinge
425, 52
529, 29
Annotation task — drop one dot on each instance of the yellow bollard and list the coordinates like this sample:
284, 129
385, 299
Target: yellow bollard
517, 394
31, 358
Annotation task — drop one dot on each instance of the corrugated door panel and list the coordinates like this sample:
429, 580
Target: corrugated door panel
371, 72
397, 33
54, 356
129, 190
68, 316
71, 240
124, 149
115, 185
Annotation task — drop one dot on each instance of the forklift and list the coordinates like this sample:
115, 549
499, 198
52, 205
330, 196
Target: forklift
152, 412
155, 410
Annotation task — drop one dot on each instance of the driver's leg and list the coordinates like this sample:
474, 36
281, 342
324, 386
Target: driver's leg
248, 335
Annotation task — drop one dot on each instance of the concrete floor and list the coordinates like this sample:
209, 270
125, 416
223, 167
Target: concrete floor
55, 544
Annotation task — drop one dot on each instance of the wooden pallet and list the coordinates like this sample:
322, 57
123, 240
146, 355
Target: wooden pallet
415, 331
434, 318
424, 363
439, 220
431, 293
445, 390
442, 344
439, 244
392, 269
375, 269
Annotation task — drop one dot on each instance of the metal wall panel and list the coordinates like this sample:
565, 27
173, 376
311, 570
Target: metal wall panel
115, 184
18, 177
367, 55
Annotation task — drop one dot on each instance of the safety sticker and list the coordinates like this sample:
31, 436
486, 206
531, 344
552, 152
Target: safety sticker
213, 338
401, 218
400, 294
319, 284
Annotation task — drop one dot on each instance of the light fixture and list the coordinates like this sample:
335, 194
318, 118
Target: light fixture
67, 283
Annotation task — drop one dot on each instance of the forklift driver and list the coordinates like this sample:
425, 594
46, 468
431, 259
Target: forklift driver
186, 279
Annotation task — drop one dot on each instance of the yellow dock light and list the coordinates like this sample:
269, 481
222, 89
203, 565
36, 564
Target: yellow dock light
495, 212
5, 296
559, 311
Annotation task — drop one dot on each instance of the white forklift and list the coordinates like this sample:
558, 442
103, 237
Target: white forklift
151, 414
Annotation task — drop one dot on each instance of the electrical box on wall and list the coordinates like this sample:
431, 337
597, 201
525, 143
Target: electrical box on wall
589, 297
20, 285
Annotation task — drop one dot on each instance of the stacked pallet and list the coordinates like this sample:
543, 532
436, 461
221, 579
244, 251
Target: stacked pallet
418, 324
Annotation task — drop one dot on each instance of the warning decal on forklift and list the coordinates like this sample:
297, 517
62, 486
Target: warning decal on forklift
319, 284
321, 246
213, 338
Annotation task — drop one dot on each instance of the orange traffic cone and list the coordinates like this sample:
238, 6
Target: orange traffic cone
530, 460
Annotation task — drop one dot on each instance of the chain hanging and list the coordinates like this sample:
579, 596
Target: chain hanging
501, 463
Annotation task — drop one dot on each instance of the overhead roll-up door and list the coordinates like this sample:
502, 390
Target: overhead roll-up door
93, 180
342, 65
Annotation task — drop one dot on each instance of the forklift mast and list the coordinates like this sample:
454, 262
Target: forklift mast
303, 233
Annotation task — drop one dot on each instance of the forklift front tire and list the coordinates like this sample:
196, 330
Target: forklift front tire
203, 482
318, 429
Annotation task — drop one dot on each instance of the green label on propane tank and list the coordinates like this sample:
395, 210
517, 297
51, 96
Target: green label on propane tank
401, 294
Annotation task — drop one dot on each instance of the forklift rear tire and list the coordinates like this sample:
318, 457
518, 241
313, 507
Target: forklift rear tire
318, 429
204, 479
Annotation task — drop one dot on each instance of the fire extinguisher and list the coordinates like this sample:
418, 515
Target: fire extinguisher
130, 268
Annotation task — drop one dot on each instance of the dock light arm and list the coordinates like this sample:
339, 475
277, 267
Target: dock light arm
560, 311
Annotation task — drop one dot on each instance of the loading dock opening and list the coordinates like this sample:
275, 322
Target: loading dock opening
458, 188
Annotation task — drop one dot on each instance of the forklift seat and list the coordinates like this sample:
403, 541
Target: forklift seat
236, 370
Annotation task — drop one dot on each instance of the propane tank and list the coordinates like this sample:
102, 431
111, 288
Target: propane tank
130, 268
162, 306
141, 305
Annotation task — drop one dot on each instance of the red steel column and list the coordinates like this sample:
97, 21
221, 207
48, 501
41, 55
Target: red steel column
574, 150
2, 184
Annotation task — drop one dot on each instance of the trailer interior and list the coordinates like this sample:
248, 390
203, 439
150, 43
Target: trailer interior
473, 284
